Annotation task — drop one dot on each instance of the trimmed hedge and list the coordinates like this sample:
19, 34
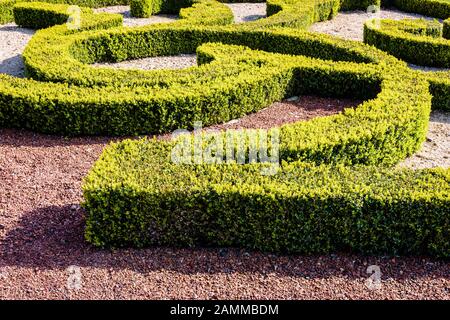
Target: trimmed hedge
432, 8
135, 196
419, 42
142, 8
413, 40
146, 8
38, 15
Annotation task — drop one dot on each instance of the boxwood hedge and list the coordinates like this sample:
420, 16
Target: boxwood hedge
419, 42
317, 202
135, 196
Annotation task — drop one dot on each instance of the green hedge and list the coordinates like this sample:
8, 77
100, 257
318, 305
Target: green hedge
134, 196
146, 8
142, 8
113, 102
446, 29
6, 6
359, 4
39, 15
432, 8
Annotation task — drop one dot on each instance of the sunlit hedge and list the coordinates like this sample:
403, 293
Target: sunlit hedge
321, 199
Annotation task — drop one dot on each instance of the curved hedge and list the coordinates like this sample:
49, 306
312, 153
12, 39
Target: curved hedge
135, 196
105, 106
416, 41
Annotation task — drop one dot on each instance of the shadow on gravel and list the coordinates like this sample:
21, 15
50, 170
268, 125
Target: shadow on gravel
52, 238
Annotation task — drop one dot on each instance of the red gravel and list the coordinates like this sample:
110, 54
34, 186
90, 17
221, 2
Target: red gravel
41, 235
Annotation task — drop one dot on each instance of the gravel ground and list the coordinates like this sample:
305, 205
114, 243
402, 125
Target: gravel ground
136, 22
245, 12
153, 63
42, 247
350, 25
41, 229
290, 110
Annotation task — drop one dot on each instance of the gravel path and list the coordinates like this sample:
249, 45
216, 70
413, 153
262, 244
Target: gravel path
42, 247
136, 22
290, 110
153, 63
245, 12
435, 151
350, 25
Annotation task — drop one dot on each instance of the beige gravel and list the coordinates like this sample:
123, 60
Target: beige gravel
435, 151
153, 63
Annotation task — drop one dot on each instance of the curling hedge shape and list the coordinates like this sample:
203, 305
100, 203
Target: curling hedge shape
112, 102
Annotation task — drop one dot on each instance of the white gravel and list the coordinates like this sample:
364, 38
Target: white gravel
435, 151
349, 25
426, 69
12, 42
136, 22
245, 12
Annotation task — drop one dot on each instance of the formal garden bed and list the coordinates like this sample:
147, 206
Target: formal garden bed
341, 117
